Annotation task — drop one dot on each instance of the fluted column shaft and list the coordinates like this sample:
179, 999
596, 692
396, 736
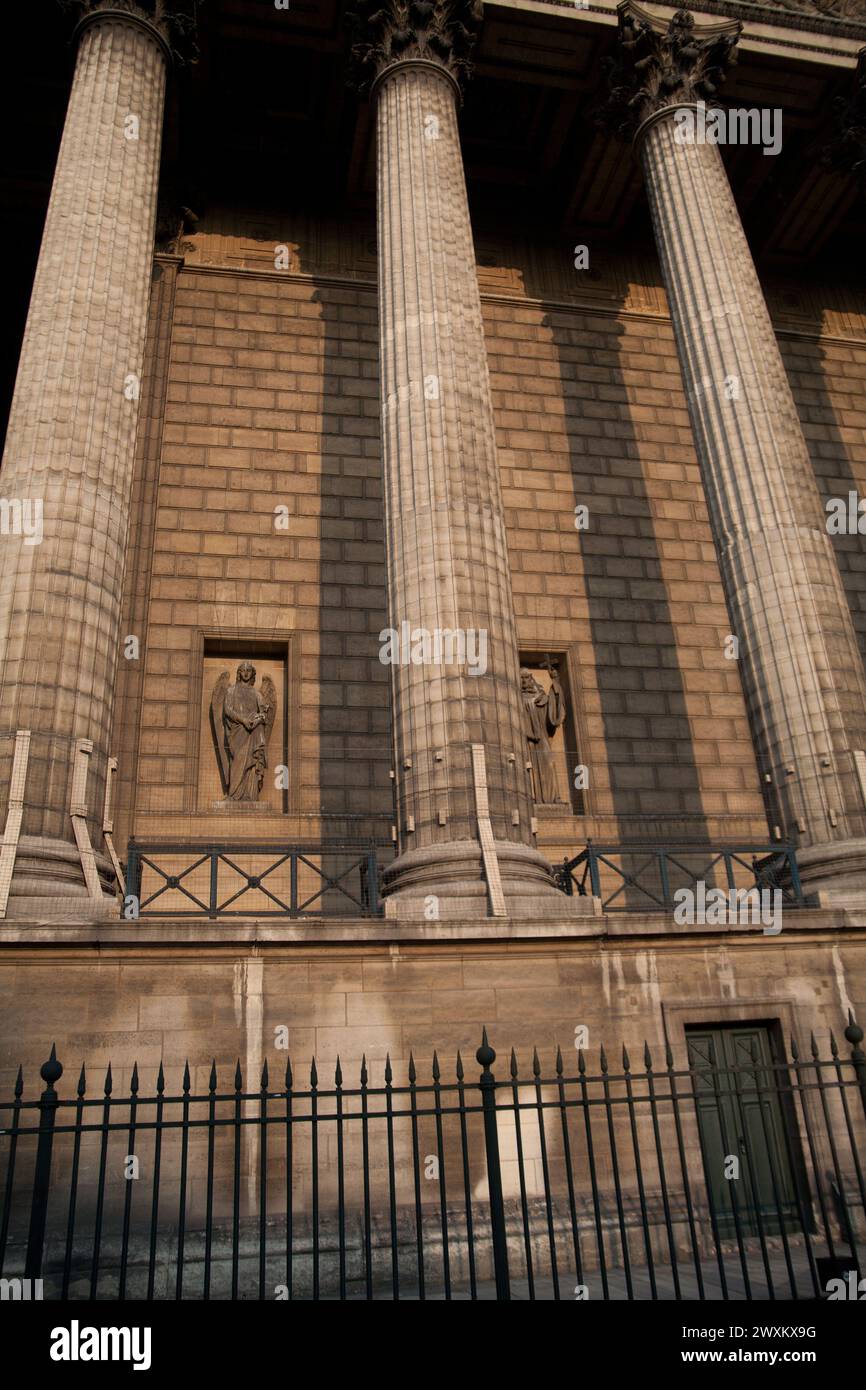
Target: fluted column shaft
71, 438
798, 652
446, 551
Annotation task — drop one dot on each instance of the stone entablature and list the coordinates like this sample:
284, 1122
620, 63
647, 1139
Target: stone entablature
842, 18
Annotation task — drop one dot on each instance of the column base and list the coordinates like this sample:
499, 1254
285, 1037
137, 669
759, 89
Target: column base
834, 874
444, 882
48, 884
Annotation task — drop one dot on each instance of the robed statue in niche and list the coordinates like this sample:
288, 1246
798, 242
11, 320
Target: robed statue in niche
242, 718
543, 713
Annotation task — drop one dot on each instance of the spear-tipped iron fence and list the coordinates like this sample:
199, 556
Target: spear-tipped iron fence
735, 1174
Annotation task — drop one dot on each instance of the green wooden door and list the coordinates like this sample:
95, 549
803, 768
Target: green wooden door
740, 1115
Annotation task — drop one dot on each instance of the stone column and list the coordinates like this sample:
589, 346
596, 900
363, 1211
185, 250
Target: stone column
70, 443
798, 654
448, 573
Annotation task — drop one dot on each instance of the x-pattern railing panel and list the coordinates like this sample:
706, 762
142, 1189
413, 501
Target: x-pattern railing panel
768, 867
343, 859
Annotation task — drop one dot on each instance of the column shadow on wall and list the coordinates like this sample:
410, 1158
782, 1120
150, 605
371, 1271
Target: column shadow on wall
809, 372
354, 724
654, 788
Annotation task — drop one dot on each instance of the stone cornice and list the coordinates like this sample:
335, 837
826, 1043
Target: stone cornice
796, 13
190, 937
174, 22
846, 20
387, 33
662, 63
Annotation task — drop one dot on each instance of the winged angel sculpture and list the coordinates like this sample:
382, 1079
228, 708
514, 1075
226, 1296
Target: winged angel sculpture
242, 718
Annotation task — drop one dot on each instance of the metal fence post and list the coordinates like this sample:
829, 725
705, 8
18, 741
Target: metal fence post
594, 876
50, 1072
372, 881
563, 875
133, 872
796, 885
213, 899
487, 1082
854, 1034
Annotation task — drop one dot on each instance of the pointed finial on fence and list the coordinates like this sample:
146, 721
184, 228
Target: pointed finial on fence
581, 1061
186, 1077
314, 1075
133, 1081
264, 1080
82, 1081
412, 1072
795, 1051
834, 1047
364, 1070
19, 1083
436, 1072
536, 1065
813, 1046
512, 1066
388, 1072
485, 1056
212, 1080
338, 1073
558, 1060
288, 1072
160, 1080
239, 1076
108, 1081
647, 1056
669, 1055
626, 1064
51, 1070
853, 1033
460, 1072
602, 1057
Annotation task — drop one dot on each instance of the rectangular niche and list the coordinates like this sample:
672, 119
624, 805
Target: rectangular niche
271, 659
567, 741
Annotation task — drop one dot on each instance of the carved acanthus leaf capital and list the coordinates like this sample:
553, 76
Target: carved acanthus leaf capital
660, 63
173, 223
176, 21
847, 151
388, 32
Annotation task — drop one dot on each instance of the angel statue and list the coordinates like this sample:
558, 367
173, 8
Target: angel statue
543, 713
242, 718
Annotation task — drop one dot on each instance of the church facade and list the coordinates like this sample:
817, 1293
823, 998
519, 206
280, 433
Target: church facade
432, 580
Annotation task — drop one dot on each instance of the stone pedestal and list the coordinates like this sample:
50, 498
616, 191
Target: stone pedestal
797, 650
70, 446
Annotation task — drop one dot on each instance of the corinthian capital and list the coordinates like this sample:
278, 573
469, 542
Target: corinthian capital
847, 151
175, 21
661, 63
388, 32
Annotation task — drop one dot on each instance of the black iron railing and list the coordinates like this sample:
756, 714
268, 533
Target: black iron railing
643, 877
703, 1181
245, 879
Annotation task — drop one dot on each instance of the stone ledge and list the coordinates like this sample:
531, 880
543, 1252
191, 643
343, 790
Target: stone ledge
379, 931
